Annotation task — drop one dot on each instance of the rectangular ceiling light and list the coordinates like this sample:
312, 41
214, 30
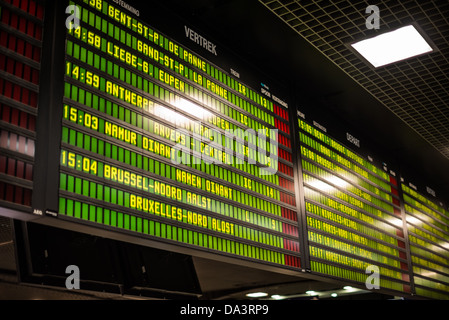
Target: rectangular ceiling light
394, 46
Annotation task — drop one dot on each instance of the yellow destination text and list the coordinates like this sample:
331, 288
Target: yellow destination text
125, 177
127, 95
175, 213
212, 187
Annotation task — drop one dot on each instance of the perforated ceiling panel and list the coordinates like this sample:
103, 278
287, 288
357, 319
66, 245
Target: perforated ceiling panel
416, 90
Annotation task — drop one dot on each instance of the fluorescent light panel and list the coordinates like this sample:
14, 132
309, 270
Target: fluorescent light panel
394, 46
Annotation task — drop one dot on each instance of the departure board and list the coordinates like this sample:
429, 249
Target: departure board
428, 233
21, 30
109, 124
160, 143
353, 213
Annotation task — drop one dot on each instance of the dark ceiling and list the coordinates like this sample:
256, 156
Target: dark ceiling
416, 90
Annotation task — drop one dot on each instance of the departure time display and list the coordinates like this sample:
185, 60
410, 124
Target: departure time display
159, 142
353, 213
428, 231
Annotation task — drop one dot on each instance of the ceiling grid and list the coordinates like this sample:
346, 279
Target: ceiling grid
415, 90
